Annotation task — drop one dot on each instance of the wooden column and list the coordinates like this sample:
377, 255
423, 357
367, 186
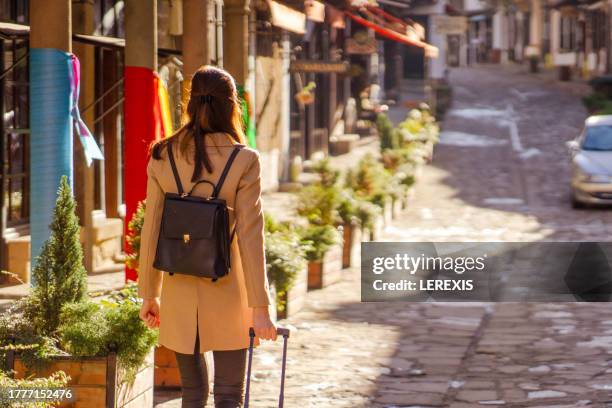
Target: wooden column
195, 36
50, 28
141, 34
84, 182
50, 24
236, 39
535, 23
195, 40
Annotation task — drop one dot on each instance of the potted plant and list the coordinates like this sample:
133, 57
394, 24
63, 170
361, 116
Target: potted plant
318, 204
286, 266
305, 96
324, 255
370, 219
369, 181
348, 210
103, 348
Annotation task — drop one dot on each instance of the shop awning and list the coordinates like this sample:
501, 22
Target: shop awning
335, 17
412, 39
287, 18
11, 30
315, 10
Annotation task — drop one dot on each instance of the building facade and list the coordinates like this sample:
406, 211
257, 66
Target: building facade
290, 60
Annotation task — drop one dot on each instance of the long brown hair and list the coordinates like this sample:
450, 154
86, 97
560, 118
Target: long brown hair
213, 107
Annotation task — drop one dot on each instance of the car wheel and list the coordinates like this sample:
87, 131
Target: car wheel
576, 204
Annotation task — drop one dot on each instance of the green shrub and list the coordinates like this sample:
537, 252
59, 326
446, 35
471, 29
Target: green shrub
133, 236
390, 138
369, 180
285, 258
95, 329
317, 239
84, 330
347, 207
595, 102
58, 379
132, 339
59, 275
420, 125
58, 318
405, 176
367, 213
318, 204
328, 177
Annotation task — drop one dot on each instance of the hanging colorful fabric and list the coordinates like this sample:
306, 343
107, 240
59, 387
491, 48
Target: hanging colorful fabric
249, 128
90, 147
164, 108
54, 95
143, 125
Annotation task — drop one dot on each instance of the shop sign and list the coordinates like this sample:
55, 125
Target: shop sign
318, 66
443, 24
361, 46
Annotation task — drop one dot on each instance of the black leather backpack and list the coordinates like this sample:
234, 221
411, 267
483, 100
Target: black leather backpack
194, 235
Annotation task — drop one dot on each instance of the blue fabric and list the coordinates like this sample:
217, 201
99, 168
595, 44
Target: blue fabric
51, 146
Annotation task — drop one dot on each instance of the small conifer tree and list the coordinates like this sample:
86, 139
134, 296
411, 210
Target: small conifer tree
59, 275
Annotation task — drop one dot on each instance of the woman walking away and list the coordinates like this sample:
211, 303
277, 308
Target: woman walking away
196, 314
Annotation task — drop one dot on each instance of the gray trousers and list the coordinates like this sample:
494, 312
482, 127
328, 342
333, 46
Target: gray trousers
229, 367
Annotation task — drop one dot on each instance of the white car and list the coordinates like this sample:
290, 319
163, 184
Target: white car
592, 163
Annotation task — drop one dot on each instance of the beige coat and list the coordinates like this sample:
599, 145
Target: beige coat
223, 308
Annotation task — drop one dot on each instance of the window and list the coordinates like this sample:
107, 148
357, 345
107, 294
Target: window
215, 33
108, 18
14, 11
568, 25
598, 26
526, 28
14, 176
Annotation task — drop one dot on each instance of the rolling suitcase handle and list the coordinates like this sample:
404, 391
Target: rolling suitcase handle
281, 332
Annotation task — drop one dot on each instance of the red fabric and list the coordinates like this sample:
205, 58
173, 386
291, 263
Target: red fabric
390, 17
142, 126
390, 34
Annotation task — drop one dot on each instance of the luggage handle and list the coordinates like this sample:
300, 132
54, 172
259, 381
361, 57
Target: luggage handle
281, 332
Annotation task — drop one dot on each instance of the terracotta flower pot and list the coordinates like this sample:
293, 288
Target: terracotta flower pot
304, 98
167, 374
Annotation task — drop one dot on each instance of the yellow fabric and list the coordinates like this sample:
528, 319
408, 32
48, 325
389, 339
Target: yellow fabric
164, 102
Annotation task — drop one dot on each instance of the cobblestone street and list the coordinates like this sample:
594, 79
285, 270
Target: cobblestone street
500, 173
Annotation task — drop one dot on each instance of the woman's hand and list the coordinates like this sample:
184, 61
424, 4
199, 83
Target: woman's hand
149, 312
264, 328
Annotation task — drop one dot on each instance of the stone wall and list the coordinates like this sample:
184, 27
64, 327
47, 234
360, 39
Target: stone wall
268, 93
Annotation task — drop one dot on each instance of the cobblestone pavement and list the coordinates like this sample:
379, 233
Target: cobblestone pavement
500, 174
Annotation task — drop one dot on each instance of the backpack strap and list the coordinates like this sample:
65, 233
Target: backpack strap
226, 169
177, 178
